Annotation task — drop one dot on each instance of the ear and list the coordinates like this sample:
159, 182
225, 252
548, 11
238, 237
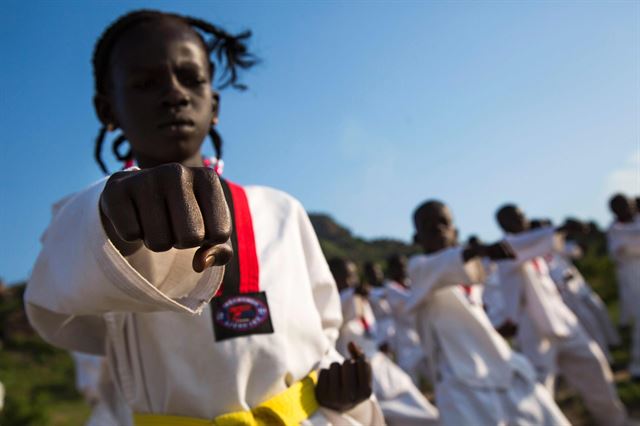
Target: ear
104, 111
215, 101
415, 239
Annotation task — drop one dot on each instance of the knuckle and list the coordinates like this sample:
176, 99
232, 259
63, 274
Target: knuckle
114, 188
205, 182
206, 174
128, 234
219, 235
158, 245
192, 238
173, 171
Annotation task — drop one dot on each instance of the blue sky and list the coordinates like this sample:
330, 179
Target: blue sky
359, 109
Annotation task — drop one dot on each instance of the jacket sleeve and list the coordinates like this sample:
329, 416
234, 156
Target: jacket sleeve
80, 275
446, 268
531, 244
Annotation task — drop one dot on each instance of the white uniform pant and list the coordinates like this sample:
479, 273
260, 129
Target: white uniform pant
599, 310
588, 321
401, 402
524, 402
593, 302
413, 362
581, 362
626, 303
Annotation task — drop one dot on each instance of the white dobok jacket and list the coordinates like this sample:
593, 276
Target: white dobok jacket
150, 313
624, 248
530, 292
406, 340
454, 328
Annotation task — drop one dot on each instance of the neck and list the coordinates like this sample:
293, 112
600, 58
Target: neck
431, 250
145, 162
399, 280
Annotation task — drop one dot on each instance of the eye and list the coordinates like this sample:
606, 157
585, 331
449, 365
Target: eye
144, 83
191, 77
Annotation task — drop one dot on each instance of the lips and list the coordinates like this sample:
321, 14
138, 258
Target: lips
177, 123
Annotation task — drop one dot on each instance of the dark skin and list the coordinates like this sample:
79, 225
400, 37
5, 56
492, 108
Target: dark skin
345, 273
512, 220
343, 386
622, 208
435, 231
397, 267
160, 95
373, 274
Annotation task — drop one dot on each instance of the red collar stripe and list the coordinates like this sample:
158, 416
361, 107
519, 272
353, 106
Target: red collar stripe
247, 255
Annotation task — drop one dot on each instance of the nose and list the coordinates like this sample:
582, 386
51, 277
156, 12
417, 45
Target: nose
442, 229
175, 94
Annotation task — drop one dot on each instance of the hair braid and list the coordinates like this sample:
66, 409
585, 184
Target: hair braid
115, 148
98, 148
216, 140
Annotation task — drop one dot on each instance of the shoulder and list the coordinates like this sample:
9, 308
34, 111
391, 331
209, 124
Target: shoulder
271, 196
266, 201
416, 262
85, 195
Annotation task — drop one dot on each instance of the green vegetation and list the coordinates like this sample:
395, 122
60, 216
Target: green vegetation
39, 379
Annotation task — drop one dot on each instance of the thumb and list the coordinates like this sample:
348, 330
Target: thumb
355, 351
208, 256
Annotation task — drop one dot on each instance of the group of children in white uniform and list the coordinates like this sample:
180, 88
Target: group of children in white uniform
478, 378
132, 270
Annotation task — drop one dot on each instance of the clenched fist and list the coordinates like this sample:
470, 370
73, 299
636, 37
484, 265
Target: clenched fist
343, 386
168, 206
496, 251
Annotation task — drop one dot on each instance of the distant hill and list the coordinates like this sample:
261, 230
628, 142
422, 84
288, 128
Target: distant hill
337, 240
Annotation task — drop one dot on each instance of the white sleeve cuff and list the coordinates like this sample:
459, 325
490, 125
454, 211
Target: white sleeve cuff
127, 279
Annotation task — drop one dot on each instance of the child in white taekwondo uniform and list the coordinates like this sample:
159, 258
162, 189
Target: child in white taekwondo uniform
401, 402
623, 240
377, 296
405, 342
549, 334
480, 380
623, 210
578, 296
130, 266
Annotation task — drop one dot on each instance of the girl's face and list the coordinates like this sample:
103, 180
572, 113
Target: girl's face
160, 93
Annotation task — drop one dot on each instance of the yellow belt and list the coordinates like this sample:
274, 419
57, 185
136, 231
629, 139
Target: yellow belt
288, 408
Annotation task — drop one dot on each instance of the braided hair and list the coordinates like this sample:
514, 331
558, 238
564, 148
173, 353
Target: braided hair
229, 52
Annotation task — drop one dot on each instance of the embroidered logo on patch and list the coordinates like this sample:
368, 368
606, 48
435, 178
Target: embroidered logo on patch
242, 313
